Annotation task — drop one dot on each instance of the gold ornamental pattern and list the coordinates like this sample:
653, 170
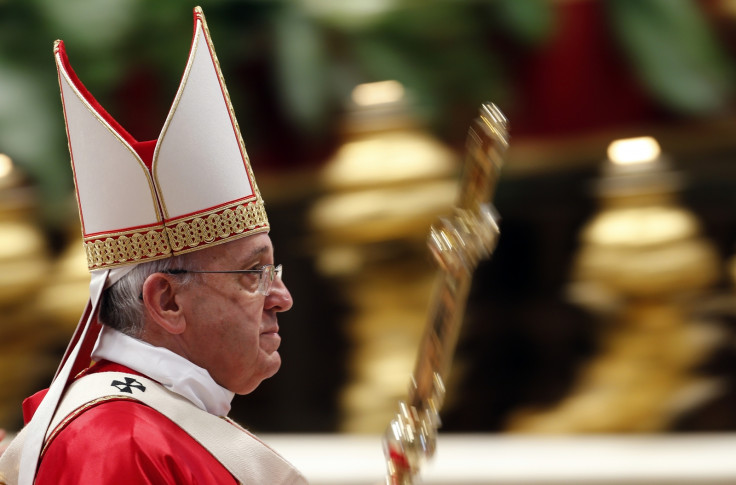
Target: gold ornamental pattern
126, 248
176, 237
194, 232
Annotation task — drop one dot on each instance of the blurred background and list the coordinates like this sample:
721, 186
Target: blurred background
608, 306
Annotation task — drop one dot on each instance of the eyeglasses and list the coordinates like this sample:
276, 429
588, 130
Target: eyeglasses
266, 275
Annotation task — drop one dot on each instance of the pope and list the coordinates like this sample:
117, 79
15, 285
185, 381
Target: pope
185, 295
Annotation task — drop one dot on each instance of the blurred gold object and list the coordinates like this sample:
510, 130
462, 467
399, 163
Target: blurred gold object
458, 243
643, 242
24, 264
40, 295
389, 179
67, 287
641, 266
23, 254
370, 207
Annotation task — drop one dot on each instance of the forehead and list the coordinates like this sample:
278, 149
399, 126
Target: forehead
243, 250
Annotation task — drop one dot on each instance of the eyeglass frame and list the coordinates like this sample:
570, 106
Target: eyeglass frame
264, 284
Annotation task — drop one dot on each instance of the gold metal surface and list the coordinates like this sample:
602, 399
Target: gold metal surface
458, 243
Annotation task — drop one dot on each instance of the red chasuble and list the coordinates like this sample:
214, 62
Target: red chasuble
123, 441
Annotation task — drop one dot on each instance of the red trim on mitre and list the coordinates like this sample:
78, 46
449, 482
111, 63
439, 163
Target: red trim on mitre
158, 226
144, 149
61, 52
231, 204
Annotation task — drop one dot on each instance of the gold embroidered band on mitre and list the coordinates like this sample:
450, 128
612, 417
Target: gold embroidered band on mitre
177, 236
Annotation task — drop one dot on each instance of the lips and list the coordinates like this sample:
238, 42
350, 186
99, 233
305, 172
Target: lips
270, 338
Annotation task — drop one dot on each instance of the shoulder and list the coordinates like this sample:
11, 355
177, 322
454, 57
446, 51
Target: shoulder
31, 403
125, 438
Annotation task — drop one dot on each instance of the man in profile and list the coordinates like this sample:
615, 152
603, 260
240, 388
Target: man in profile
184, 299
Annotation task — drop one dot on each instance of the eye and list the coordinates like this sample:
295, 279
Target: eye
253, 267
251, 281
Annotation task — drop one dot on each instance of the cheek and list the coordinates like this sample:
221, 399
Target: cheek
224, 308
227, 328
238, 328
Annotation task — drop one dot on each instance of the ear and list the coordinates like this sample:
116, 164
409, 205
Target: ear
161, 303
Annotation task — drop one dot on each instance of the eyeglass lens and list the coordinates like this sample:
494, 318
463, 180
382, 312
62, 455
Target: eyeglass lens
267, 277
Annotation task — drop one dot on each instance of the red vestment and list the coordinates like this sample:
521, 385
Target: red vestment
123, 441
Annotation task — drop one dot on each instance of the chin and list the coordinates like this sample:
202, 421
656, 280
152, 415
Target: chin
247, 389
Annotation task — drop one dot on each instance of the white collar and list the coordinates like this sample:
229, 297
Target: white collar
164, 366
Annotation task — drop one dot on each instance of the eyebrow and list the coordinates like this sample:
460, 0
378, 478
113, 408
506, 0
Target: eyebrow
253, 255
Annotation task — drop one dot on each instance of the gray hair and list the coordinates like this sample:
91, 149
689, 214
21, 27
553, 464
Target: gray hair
121, 306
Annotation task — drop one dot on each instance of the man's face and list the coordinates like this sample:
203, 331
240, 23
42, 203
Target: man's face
230, 330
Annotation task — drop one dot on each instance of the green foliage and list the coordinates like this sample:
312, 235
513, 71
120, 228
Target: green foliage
301, 69
530, 22
674, 52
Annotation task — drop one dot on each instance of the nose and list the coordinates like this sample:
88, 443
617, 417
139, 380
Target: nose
279, 298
